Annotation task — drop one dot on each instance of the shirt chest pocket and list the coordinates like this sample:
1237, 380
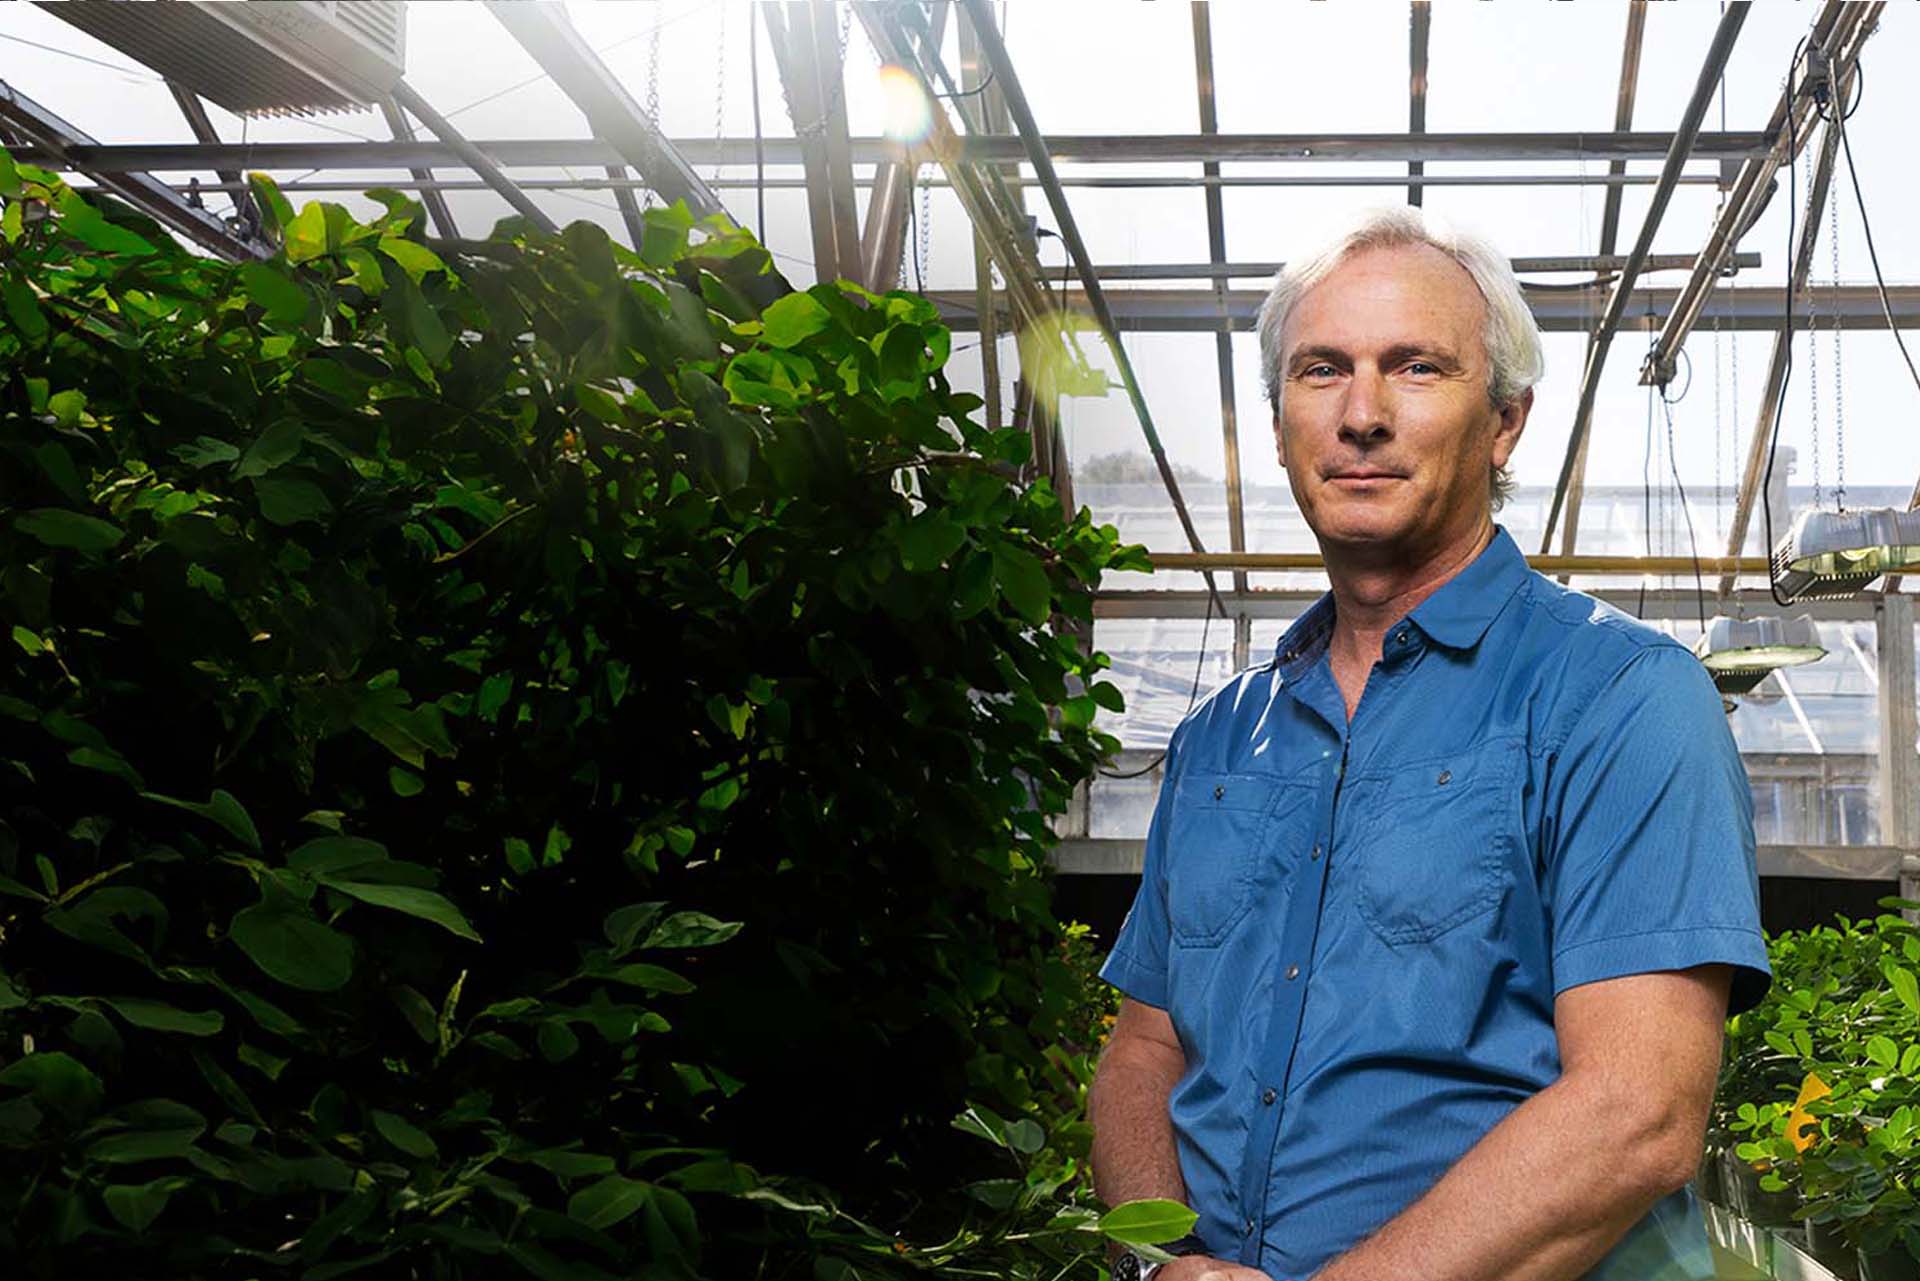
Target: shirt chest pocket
1220, 842
1431, 843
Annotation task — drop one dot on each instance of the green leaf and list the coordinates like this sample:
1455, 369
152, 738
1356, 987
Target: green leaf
288, 500
29, 640
1023, 582
1149, 1222
790, 320
1904, 986
284, 301
1026, 1138
1108, 696
205, 451
624, 925
137, 1205
222, 808
57, 1081
404, 781
79, 219
306, 235
23, 307
129, 1147
691, 929
58, 527
424, 904
293, 948
326, 854
1910, 1060
557, 1041
651, 977
403, 1134
569, 1164
611, 1200
414, 258
158, 1016
663, 235
928, 539
1883, 1051
279, 443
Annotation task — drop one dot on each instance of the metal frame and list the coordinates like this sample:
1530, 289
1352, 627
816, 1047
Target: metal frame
1419, 26
805, 41
232, 181
468, 154
1684, 139
59, 144
430, 195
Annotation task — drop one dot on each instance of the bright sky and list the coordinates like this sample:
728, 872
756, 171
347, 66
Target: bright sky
1285, 67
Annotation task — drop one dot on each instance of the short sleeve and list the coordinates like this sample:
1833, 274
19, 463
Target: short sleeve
1650, 849
1137, 965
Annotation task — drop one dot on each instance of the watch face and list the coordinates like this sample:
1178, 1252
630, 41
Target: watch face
1127, 1268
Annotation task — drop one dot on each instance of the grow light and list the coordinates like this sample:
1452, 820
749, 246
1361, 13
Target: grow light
1739, 652
1836, 554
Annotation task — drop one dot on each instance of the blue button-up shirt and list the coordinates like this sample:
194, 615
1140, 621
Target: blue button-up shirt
1359, 927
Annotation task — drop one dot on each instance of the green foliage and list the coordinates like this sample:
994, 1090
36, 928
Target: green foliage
1843, 1009
520, 759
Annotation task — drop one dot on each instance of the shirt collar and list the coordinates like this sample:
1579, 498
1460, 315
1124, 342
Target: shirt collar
1456, 616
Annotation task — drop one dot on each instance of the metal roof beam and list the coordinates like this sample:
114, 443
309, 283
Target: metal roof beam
543, 30
434, 199
468, 154
56, 141
1753, 308
1718, 52
1609, 234
1841, 29
806, 45
995, 148
233, 182
1598, 263
1008, 81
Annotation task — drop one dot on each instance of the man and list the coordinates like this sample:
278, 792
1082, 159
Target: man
1444, 907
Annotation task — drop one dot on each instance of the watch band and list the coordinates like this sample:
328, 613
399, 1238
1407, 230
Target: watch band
1134, 1266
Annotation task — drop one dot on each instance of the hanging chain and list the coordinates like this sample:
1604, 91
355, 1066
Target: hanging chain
1813, 357
720, 87
1839, 383
925, 247
653, 91
1719, 506
814, 128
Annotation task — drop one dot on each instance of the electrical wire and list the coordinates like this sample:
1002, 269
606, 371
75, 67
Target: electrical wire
1786, 340
759, 138
1879, 280
1673, 463
132, 73
1193, 696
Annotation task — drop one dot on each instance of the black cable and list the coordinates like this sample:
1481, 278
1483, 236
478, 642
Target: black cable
1646, 502
1879, 280
1673, 463
1786, 342
759, 143
1686, 386
913, 230
1192, 696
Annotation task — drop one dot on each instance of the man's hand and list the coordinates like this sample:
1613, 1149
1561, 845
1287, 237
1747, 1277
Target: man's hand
1197, 1267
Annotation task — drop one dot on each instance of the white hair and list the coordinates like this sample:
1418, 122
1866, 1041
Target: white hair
1512, 338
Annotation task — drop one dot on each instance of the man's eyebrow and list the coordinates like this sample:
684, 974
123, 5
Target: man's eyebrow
1396, 354
1306, 355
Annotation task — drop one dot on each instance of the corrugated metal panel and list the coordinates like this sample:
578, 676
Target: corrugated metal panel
253, 57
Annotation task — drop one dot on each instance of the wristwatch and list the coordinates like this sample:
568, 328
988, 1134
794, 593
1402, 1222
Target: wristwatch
1133, 1266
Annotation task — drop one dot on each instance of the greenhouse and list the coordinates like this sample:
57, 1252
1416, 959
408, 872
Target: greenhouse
868, 639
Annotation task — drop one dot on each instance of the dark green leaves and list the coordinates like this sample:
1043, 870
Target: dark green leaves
612, 1199
58, 527
294, 948
929, 539
424, 904
792, 319
289, 500
222, 808
23, 309
1023, 582
282, 298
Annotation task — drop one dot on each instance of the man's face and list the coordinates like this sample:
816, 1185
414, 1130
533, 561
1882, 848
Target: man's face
1385, 426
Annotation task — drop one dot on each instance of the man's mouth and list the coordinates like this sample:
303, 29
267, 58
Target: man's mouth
1357, 474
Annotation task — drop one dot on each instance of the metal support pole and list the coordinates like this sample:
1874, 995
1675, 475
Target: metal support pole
1420, 22
1609, 233
1683, 142
59, 145
1762, 443
472, 156
1042, 162
806, 46
1899, 729
542, 29
434, 200
195, 112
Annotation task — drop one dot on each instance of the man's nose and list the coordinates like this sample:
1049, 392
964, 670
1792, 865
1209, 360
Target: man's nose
1367, 419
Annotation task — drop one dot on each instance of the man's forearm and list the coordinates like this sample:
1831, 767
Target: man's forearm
1542, 1197
1134, 1156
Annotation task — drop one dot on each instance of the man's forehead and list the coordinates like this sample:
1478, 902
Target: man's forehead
1408, 285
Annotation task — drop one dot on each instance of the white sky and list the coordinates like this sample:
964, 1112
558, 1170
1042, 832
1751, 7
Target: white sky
1281, 67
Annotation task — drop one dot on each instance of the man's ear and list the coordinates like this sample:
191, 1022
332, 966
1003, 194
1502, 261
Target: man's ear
1279, 435
1513, 421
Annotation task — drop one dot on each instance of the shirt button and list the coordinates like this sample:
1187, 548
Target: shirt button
1268, 1095
1446, 776
1316, 853
1401, 638
1219, 792
1249, 1227
1293, 972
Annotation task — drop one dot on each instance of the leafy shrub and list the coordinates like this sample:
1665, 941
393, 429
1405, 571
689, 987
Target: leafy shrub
1819, 1087
522, 756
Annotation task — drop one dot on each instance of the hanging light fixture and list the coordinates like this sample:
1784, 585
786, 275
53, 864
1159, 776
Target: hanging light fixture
1832, 555
1739, 652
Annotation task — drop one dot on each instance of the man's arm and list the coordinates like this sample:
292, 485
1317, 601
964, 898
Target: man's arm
1547, 1192
1134, 1157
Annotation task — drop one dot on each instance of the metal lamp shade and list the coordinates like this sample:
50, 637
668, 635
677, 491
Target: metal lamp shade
1836, 554
1739, 652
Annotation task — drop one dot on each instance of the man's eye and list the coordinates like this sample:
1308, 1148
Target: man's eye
1320, 370
1422, 368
